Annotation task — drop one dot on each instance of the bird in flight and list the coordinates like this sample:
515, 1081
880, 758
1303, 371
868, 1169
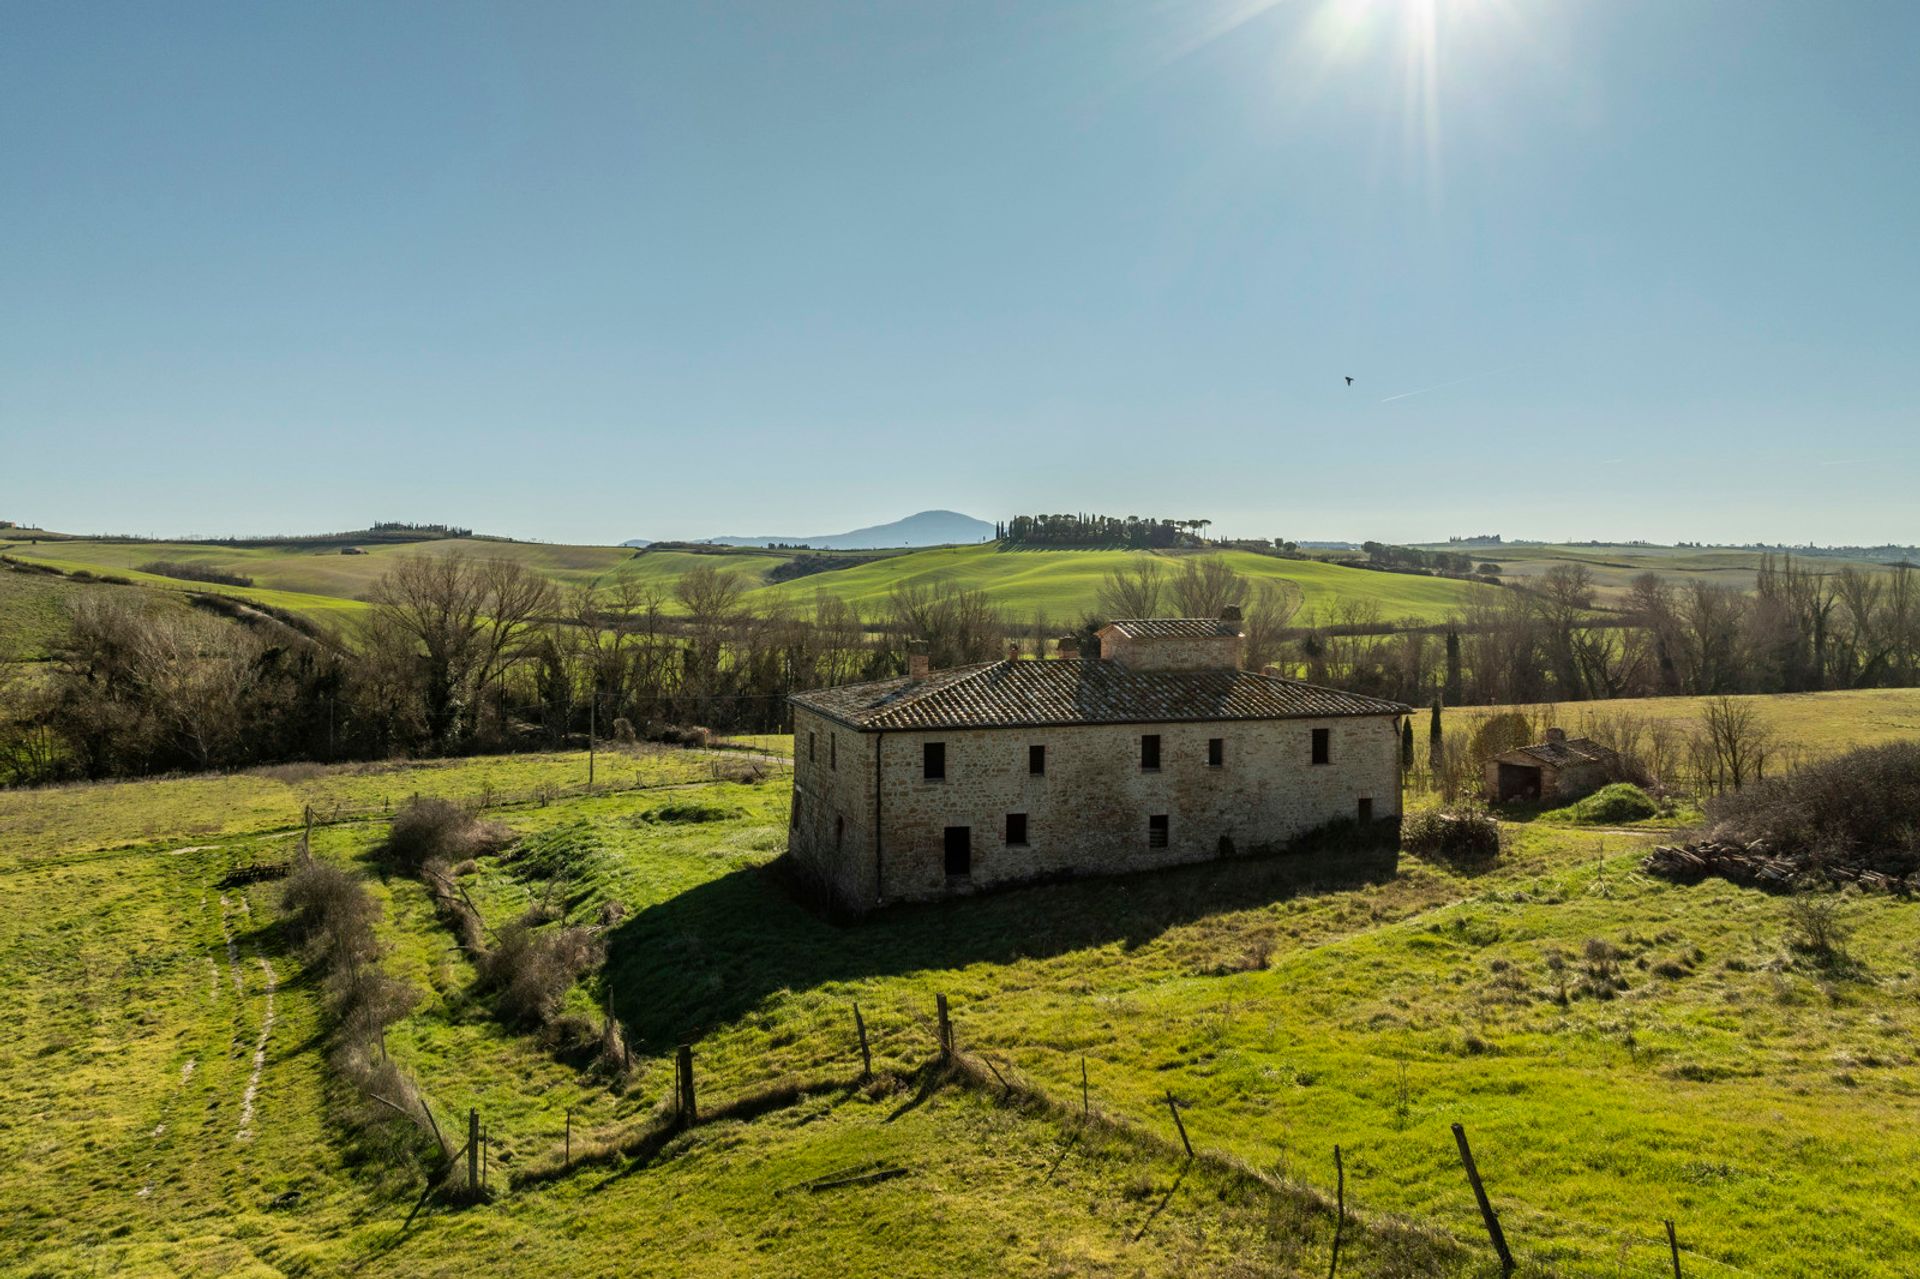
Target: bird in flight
1349, 381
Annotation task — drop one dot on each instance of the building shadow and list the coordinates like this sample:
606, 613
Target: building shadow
711, 955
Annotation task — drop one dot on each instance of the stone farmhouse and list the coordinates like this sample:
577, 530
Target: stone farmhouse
1559, 769
1160, 751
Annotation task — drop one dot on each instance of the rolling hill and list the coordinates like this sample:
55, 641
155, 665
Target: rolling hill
1064, 584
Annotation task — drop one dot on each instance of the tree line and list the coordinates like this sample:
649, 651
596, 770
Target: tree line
461, 654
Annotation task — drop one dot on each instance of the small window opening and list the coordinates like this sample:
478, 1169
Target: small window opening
811, 743
839, 832
1157, 831
1216, 751
1322, 745
933, 761
1016, 828
833, 750
1037, 760
1150, 751
1365, 812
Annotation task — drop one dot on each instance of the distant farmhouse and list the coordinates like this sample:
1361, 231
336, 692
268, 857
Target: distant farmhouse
1158, 752
1559, 769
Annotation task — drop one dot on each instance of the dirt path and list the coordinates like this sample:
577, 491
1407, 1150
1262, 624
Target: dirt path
259, 1055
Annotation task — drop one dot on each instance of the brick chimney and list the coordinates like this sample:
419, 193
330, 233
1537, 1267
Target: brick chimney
1231, 613
1013, 652
917, 660
1069, 648
1556, 734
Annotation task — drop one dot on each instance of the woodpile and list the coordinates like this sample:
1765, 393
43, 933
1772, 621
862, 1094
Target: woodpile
1758, 866
255, 872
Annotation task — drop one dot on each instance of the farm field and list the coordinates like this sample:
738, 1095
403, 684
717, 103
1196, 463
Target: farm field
321, 582
1290, 1004
1613, 568
1813, 723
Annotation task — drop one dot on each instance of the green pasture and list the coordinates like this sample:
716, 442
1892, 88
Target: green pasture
1620, 1049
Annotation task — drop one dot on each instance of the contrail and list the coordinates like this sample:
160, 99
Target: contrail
1441, 386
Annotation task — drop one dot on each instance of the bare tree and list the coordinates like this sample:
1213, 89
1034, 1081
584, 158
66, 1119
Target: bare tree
466, 619
1736, 744
1134, 588
1205, 585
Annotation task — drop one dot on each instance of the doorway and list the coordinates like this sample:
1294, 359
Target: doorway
959, 852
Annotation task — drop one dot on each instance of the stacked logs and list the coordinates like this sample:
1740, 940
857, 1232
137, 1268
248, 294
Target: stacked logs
1758, 866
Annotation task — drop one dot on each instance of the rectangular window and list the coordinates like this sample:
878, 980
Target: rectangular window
1037, 760
1016, 828
833, 750
1157, 831
1364, 812
1150, 752
810, 745
933, 761
1322, 745
796, 810
839, 832
1216, 751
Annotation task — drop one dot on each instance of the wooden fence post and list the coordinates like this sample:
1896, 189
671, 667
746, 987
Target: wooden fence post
473, 1151
569, 1136
1174, 1107
946, 1028
866, 1054
1339, 1209
689, 1111
1494, 1232
1086, 1108
1673, 1247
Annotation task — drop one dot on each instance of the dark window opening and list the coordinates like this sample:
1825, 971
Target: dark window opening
933, 761
796, 810
833, 750
1037, 760
1216, 751
1365, 813
1150, 750
1016, 828
839, 832
1322, 745
959, 851
810, 745
1157, 831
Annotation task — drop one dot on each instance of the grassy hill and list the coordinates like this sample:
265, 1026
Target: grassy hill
1621, 1050
316, 579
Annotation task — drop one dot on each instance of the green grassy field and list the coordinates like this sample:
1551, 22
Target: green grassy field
1613, 567
1701, 1069
1062, 584
1813, 723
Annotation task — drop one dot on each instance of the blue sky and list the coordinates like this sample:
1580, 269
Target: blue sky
593, 271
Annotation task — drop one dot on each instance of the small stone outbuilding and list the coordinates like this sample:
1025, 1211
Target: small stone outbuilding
1558, 770
1159, 751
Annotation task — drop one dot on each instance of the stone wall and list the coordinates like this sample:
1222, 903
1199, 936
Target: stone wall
1089, 812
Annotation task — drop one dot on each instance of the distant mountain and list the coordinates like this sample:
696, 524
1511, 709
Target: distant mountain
928, 528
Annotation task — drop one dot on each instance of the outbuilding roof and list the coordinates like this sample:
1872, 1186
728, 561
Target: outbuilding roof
1080, 691
1561, 753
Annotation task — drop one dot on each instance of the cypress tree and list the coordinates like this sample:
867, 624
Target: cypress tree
1453, 667
1406, 744
1433, 738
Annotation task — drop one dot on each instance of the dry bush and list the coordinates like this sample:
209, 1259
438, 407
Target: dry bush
1455, 834
330, 913
1860, 806
531, 971
439, 830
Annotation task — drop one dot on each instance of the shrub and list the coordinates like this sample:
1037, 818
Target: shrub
1862, 805
1815, 928
1619, 802
194, 573
427, 830
531, 971
690, 811
1453, 834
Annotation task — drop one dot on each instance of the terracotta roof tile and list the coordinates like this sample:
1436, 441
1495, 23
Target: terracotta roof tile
1574, 750
1080, 691
1173, 627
